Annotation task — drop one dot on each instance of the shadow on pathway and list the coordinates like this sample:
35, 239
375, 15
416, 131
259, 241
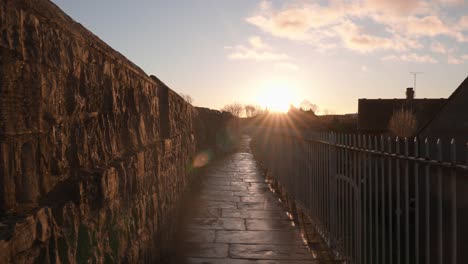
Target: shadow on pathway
236, 219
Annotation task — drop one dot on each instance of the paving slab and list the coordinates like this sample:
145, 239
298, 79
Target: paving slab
236, 219
211, 250
217, 223
258, 237
219, 261
285, 252
266, 224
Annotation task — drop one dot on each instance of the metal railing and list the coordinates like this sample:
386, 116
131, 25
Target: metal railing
375, 199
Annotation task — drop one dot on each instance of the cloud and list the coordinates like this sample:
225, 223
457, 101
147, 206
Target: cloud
412, 57
256, 50
354, 38
451, 2
364, 68
463, 23
453, 60
438, 47
248, 53
352, 24
287, 66
430, 26
257, 43
395, 7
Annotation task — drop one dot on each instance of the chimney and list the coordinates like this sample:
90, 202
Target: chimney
409, 93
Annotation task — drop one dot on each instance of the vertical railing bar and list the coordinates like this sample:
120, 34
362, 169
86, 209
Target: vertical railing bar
348, 196
335, 188
339, 212
351, 196
326, 176
407, 230
356, 201
427, 205
390, 206
416, 201
314, 178
382, 197
346, 200
343, 195
330, 179
327, 190
322, 179
440, 237
309, 176
453, 191
376, 202
320, 189
362, 173
370, 194
398, 210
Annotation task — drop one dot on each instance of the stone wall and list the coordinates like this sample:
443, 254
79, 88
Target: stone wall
94, 153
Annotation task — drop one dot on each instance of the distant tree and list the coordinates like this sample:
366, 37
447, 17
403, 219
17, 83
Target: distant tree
403, 123
235, 109
327, 112
187, 98
306, 105
250, 110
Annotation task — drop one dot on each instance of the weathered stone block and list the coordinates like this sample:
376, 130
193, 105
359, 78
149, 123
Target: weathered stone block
94, 153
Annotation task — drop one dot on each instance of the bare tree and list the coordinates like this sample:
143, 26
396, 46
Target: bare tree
187, 98
252, 110
306, 105
327, 112
403, 123
235, 108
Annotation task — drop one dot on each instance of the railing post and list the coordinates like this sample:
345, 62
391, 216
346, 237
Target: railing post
365, 207
440, 237
453, 191
398, 200
382, 197
390, 201
407, 198
416, 201
428, 204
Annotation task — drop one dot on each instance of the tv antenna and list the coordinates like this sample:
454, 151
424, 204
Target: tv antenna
415, 74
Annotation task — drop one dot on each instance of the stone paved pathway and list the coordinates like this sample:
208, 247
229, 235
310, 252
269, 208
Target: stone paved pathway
236, 219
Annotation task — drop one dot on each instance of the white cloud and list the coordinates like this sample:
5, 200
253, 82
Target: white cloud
412, 57
438, 47
257, 43
364, 68
287, 66
451, 2
406, 23
454, 60
395, 7
292, 23
258, 50
354, 38
248, 53
463, 23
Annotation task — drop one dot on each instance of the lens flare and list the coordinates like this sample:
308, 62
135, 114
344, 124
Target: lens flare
202, 159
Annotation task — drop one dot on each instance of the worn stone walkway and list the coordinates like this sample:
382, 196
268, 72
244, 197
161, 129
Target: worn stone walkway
236, 219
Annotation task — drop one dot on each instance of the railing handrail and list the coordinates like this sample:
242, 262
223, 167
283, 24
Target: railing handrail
373, 197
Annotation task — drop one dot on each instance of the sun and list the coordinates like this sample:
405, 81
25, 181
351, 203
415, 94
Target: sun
276, 96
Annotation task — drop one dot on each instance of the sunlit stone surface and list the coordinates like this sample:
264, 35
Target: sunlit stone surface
236, 219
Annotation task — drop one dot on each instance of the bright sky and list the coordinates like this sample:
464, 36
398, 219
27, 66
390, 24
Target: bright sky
328, 52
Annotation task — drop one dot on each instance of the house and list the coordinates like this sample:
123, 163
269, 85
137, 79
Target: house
346, 123
374, 115
451, 122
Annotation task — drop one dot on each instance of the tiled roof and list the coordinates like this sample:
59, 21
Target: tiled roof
375, 114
